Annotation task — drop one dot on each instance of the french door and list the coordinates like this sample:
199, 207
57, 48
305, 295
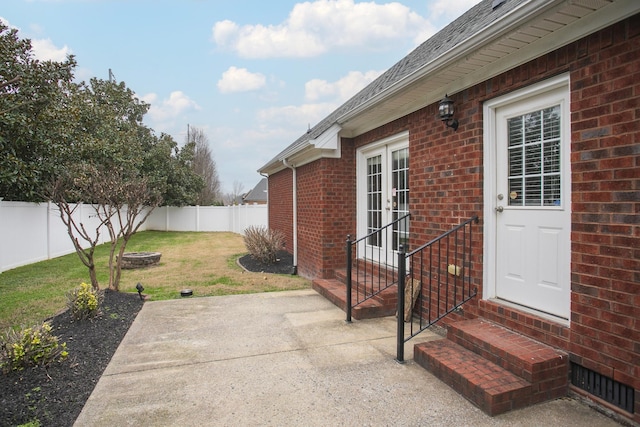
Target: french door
383, 197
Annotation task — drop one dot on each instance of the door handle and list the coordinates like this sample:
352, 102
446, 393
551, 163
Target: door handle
499, 209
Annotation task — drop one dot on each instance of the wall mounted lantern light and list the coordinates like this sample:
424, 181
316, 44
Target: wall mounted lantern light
446, 112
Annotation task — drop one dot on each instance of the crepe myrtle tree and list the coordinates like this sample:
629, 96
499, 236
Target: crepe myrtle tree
119, 167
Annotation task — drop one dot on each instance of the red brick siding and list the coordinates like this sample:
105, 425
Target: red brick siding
280, 191
605, 157
326, 212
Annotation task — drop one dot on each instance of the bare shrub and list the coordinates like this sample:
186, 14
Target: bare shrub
263, 243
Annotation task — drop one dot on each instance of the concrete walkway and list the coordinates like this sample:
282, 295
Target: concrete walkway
282, 359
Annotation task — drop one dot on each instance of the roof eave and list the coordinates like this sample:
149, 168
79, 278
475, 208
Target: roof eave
522, 13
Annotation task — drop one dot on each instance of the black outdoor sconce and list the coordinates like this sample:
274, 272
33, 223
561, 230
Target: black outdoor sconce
446, 112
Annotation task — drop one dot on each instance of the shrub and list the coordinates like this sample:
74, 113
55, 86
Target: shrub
263, 243
84, 302
35, 346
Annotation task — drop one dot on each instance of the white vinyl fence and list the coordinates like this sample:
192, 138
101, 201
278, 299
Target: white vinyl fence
32, 232
207, 218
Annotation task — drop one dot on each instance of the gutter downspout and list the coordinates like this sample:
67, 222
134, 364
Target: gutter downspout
295, 214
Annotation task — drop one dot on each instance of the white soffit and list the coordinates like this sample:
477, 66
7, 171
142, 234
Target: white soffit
568, 21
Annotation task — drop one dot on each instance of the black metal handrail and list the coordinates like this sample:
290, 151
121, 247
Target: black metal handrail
442, 269
378, 271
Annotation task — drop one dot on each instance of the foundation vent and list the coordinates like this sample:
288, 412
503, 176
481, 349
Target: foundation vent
601, 386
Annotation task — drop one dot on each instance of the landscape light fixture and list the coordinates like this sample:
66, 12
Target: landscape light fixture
446, 111
140, 288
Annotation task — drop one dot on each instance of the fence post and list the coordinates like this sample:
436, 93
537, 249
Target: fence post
402, 268
348, 300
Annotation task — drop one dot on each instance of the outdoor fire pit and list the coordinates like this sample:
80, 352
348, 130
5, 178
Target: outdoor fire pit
131, 260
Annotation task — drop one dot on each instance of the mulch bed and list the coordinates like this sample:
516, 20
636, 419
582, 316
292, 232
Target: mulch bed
56, 395
283, 265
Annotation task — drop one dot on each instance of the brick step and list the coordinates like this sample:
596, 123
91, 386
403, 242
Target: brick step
478, 356
336, 292
364, 278
493, 389
366, 284
535, 362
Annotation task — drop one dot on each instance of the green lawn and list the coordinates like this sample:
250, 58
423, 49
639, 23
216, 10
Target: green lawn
203, 262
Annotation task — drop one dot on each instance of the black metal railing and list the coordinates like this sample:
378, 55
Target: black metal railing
441, 274
372, 261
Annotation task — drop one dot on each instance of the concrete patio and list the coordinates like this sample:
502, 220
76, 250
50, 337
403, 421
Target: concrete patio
286, 358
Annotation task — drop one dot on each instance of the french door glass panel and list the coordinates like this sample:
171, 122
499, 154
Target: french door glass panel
400, 196
374, 198
387, 196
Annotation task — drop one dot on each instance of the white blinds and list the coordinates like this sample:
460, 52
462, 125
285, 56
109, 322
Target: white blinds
534, 158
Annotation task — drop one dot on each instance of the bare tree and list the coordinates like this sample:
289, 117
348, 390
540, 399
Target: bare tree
234, 198
121, 205
205, 166
78, 232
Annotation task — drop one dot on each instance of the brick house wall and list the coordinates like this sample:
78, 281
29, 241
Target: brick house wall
326, 212
280, 207
446, 184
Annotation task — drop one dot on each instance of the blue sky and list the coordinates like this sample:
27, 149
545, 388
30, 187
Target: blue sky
252, 74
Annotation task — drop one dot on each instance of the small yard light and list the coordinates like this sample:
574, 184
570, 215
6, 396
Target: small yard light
446, 111
140, 288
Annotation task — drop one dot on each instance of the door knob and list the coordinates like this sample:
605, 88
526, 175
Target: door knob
499, 209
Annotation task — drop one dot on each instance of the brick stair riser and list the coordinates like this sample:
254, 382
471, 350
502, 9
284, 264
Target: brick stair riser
479, 358
533, 371
365, 285
463, 378
360, 290
385, 274
335, 292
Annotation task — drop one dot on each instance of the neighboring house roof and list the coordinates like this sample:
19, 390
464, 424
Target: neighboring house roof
258, 194
480, 44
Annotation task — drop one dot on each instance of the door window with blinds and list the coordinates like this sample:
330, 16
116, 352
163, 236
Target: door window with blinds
534, 175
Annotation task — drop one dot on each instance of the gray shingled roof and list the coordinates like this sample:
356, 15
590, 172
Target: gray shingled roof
470, 23
258, 194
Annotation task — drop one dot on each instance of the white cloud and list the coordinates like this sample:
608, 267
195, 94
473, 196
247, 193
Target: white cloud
240, 80
45, 50
312, 28
340, 90
170, 108
291, 115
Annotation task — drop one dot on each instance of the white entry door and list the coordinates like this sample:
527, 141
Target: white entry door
383, 197
531, 203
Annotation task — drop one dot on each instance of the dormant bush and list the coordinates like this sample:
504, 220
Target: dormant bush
263, 243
